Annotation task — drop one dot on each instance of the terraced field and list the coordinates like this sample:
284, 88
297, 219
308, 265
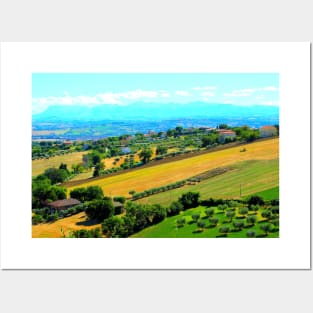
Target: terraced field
163, 174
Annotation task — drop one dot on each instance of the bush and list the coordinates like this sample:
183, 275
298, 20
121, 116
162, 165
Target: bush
181, 222
195, 217
251, 219
251, 233
253, 200
243, 211
37, 219
174, 208
100, 209
189, 200
209, 212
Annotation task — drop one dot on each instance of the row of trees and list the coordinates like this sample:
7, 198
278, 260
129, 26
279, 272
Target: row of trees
140, 216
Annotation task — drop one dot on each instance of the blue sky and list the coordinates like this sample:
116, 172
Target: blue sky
49, 89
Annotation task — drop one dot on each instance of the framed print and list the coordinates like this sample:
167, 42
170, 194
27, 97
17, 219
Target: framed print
155, 155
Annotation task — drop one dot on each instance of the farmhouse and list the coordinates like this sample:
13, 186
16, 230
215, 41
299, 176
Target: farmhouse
268, 131
63, 204
225, 133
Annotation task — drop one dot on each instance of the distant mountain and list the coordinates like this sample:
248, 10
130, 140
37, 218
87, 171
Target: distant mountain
152, 111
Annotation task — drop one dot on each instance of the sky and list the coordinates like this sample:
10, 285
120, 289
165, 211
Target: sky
91, 89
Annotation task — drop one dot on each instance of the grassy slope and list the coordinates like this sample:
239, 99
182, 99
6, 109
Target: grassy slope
168, 229
53, 230
163, 174
254, 176
39, 166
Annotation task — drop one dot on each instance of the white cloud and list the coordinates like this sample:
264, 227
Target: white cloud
270, 103
208, 94
204, 88
137, 94
183, 93
270, 88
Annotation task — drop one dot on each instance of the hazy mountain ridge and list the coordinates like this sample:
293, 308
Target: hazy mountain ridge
151, 111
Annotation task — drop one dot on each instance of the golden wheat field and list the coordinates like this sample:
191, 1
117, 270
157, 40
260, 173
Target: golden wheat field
39, 166
159, 175
65, 225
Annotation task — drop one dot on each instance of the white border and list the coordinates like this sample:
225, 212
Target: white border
290, 251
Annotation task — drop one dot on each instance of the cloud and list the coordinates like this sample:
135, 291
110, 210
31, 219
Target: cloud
208, 94
204, 88
249, 91
270, 103
270, 88
183, 93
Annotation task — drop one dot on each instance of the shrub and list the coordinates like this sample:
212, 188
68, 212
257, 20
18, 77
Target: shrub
224, 229
213, 221
195, 217
209, 212
251, 219
243, 211
238, 225
181, 222
174, 208
266, 227
251, 233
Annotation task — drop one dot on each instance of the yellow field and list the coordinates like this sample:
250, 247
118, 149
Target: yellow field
53, 230
39, 166
167, 173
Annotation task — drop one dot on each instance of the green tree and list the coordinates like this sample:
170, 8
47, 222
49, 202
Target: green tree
161, 150
174, 208
251, 219
145, 155
180, 222
230, 214
100, 209
266, 227
255, 200
195, 217
189, 200
224, 230
209, 212
251, 233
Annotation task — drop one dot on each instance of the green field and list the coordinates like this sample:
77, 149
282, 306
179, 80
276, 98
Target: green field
168, 228
253, 176
269, 194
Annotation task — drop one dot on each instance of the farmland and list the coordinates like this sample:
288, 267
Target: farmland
169, 229
54, 229
170, 172
253, 176
39, 166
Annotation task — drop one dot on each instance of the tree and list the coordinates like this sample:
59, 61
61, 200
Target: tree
100, 209
266, 227
161, 150
189, 199
251, 233
254, 200
175, 208
230, 214
120, 199
251, 219
195, 217
94, 192
63, 167
98, 168
201, 225
266, 214
158, 213
181, 222
145, 155
113, 227
209, 212
224, 230
238, 225
56, 175
243, 211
